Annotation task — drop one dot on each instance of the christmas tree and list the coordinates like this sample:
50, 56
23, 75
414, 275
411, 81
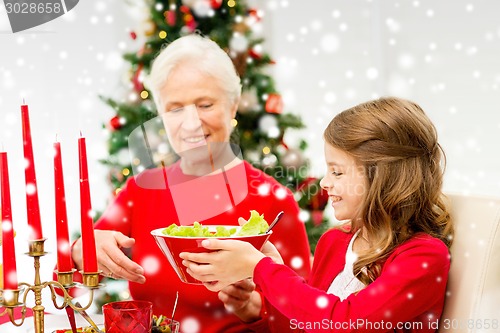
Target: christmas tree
260, 123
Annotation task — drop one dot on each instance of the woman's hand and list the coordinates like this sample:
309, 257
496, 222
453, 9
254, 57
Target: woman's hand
110, 258
241, 299
232, 261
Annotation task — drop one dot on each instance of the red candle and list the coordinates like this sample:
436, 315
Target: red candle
63, 248
32, 206
8, 250
88, 240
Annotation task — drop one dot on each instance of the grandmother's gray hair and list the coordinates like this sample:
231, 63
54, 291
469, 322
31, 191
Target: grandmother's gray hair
200, 52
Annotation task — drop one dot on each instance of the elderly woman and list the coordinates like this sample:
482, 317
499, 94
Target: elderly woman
196, 91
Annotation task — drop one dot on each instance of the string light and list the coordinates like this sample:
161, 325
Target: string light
266, 150
231, 3
125, 172
162, 34
234, 122
144, 94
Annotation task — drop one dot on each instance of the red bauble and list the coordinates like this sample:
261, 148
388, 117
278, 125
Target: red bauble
215, 4
274, 104
133, 35
170, 17
318, 197
254, 54
254, 13
115, 123
317, 217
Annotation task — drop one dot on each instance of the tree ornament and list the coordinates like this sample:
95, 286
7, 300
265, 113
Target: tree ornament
133, 35
241, 27
148, 28
255, 55
115, 123
170, 17
188, 3
215, 4
202, 8
267, 122
123, 157
269, 161
254, 13
317, 217
292, 159
238, 43
317, 197
253, 156
116, 173
189, 21
274, 104
248, 101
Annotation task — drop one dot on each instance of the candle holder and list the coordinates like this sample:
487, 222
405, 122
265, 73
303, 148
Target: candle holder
10, 298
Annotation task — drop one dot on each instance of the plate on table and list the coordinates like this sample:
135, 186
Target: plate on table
52, 323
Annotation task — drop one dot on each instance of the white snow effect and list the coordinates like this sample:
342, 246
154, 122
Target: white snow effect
30, 189
304, 215
330, 43
190, 325
297, 262
330, 97
6, 226
372, 73
392, 25
264, 189
151, 264
267, 122
114, 61
69, 16
406, 61
322, 302
100, 6
63, 246
238, 43
398, 85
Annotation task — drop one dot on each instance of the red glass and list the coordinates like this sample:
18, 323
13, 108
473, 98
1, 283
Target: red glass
128, 316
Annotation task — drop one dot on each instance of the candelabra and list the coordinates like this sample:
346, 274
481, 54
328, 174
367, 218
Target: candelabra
10, 298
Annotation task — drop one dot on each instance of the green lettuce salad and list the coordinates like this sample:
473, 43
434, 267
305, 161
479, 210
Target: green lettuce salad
255, 225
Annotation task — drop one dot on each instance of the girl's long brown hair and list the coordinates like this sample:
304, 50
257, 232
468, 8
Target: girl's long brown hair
396, 144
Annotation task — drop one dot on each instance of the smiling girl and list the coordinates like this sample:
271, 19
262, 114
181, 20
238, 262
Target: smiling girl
386, 268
